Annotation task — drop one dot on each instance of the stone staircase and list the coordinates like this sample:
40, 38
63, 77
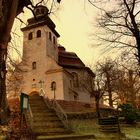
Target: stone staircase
45, 122
109, 124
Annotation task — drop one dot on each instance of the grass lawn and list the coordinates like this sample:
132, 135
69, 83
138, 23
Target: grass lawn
131, 132
91, 127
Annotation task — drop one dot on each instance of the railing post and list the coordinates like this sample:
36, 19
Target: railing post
31, 116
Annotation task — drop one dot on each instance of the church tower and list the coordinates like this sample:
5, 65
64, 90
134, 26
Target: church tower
40, 52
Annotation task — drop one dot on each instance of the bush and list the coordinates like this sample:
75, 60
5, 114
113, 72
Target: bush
129, 112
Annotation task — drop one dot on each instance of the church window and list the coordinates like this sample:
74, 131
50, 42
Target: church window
42, 11
53, 85
30, 36
54, 41
38, 33
50, 36
34, 65
75, 97
75, 79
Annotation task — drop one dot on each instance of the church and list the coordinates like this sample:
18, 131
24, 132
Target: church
50, 69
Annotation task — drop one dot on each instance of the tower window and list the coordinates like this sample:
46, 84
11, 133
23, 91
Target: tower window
54, 41
38, 34
42, 11
50, 36
30, 36
34, 65
37, 11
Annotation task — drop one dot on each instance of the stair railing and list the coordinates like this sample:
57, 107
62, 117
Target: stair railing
61, 114
53, 104
29, 122
30, 116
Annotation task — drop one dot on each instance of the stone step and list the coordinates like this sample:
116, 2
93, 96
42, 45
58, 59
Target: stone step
44, 113
46, 119
54, 124
39, 107
47, 127
67, 137
35, 97
37, 103
109, 129
50, 131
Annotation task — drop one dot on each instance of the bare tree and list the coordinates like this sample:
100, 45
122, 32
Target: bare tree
13, 80
9, 10
94, 87
128, 85
120, 24
109, 72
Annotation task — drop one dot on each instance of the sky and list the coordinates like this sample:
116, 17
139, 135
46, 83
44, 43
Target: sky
75, 22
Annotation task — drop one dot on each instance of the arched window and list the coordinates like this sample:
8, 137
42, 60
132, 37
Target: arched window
38, 33
42, 11
54, 41
53, 85
50, 36
30, 36
75, 79
34, 65
53, 88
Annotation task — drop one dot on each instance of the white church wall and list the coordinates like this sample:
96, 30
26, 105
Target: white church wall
67, 80
58, 78
83, 95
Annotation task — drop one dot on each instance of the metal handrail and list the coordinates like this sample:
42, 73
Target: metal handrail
30, 116
60, 113
28, 133
53, 104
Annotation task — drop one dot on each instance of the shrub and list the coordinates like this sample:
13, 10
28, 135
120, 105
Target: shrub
129, 112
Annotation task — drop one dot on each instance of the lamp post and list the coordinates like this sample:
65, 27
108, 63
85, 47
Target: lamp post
53, 88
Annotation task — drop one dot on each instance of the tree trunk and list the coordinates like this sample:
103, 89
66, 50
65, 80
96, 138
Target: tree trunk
109, 90
8, 11
97, 108
3, 102
110, 98
138, 48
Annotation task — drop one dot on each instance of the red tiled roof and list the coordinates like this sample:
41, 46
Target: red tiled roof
69, 59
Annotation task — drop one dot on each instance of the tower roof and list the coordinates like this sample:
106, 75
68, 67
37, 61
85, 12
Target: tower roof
41, 18
71, 60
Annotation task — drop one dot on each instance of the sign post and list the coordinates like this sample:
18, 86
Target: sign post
23, 102
23, 106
